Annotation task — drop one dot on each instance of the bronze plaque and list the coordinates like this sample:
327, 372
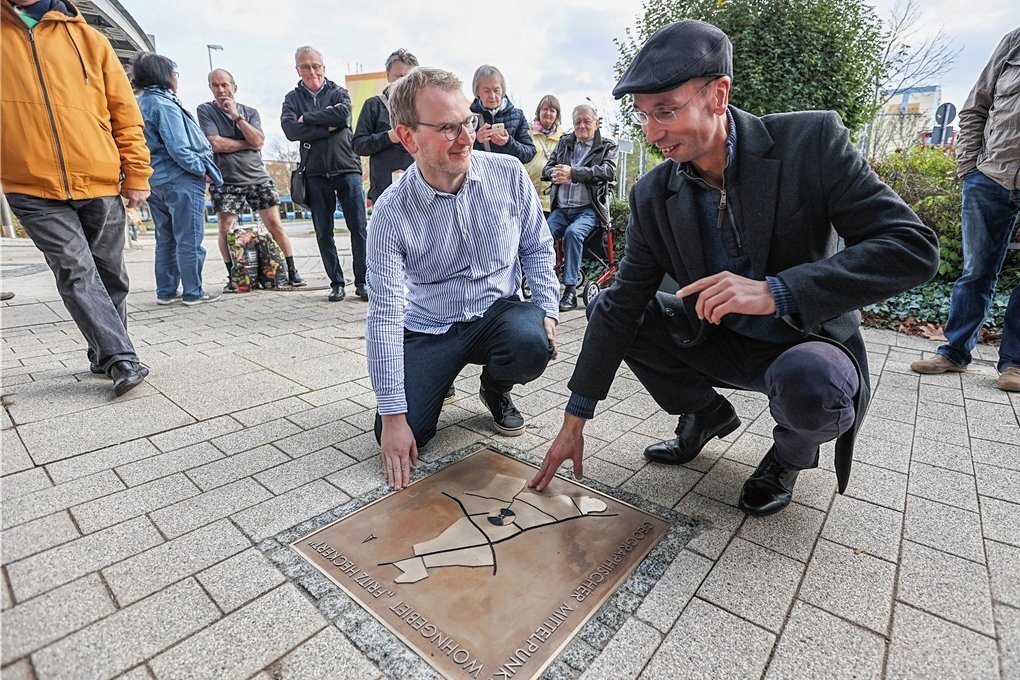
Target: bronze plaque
477, 573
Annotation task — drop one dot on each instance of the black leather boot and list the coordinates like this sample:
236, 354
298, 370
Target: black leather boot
769, 489
693, 431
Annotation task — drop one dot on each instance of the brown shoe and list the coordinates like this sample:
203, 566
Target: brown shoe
937, 364
1009, 380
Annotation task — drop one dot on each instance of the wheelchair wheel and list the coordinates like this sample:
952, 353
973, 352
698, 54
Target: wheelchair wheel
589, 292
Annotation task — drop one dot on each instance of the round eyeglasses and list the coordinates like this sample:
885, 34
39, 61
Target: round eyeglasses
666, 116
452, 130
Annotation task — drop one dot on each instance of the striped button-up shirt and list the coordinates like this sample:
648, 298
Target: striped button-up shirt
455, 254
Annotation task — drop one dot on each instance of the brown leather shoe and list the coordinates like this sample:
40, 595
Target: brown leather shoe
1009, 380
937, 364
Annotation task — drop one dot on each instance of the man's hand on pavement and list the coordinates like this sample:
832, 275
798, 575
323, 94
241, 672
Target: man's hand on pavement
569, 444
134, 196
399, 450
727, 293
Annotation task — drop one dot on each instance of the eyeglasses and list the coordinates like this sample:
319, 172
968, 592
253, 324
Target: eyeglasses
666, 116
452, 130
308, 68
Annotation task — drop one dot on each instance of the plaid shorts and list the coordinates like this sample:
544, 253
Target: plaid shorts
230, 198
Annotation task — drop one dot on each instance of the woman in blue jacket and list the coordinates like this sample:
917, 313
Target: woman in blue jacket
182, 164
494, 106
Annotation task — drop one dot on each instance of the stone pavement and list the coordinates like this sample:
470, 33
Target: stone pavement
130, 526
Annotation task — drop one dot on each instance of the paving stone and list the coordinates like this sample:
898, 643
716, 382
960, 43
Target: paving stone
708, 642
626, 654
56, 566
996, 453
13, 454
944, 486
117, 507
307, 468
314, 417
201, 431
1004, 569
1007, 623
743, 563
884, 453
942, 455
864, 527
282, 512
924, 646
74, 433
166, 464
945, 585
942, 431
992, 481
323, 656
317, 438
38, 622
877, 485
239, 579
235, 467
1000, 520
994, 422
944, 528
791, 532
154, 569
257, 415
21, 483
255, 435
854, 586
816, 644
601, 470
334, 393
46, 399
940, 393
245, 641
898, 409
627, 451
718, 523
217, 398
21, 670
724, 481
101, 460
38, 535
208, 507
937, 410
359, 479
674, 589
664, 485
41, 503
130, 636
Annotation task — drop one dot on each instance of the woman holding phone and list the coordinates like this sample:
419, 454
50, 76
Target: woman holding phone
504, 129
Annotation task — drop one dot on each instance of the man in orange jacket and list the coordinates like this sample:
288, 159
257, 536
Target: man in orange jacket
72, 147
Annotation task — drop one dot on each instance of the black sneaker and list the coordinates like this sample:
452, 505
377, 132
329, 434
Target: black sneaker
231, 287
295, 279
337, 294
361, 292
505, 416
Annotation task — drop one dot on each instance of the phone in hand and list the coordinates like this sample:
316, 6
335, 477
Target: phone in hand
498, 128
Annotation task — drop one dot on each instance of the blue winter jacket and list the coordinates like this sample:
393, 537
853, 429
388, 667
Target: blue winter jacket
175, 141
520, 144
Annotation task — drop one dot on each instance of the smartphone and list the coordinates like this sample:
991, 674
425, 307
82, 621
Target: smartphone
498, 128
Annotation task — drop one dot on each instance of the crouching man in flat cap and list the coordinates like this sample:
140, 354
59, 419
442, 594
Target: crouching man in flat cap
745, 218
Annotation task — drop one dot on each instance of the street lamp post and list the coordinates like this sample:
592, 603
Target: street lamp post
209, 49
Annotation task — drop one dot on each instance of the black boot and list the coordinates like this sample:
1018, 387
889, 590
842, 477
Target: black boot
336, 294
769, 489
292, 274
569, 299
693, 431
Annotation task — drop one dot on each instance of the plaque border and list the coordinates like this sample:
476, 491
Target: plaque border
388, 649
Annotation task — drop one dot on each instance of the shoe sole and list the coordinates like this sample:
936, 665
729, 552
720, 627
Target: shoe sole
167, 302
728, 429
298, 285
756, 513
192, 303
127, 386
937, 371
505, 431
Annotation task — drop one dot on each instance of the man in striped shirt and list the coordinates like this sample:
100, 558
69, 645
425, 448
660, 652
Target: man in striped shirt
455, 231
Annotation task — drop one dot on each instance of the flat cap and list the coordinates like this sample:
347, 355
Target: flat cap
673, 55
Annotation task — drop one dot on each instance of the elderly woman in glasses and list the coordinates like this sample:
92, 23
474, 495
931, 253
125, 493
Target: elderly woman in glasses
182, 164
503, 128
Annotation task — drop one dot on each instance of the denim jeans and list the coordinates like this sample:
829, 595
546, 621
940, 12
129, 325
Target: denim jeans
573, 226
323, 192
509, 341
989, 217
83, 243
178, 213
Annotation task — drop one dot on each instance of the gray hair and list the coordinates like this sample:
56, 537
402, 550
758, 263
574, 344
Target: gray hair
306, 48
404, 92
222, 70
585, 107
486, 71
403, 56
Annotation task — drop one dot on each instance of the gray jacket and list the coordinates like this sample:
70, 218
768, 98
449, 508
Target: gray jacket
990, 118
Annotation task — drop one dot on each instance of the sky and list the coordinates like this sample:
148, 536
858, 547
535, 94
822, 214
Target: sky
564, 47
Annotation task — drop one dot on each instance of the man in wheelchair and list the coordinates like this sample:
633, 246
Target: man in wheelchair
580, 167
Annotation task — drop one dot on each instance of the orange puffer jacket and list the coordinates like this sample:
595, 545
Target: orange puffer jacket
69, 123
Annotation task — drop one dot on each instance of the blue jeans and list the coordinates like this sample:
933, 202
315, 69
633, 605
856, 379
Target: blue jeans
573, 226
989, 217
509, 341
178, 213
323, 192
